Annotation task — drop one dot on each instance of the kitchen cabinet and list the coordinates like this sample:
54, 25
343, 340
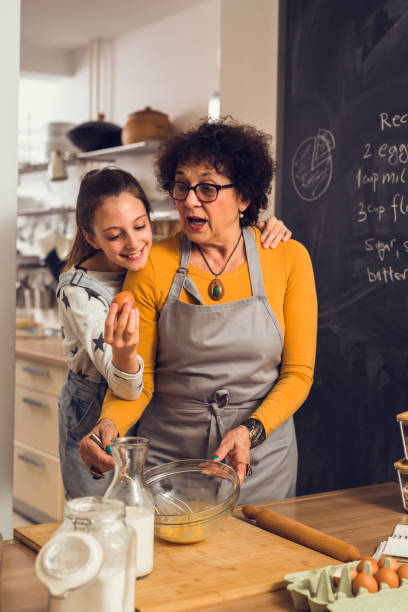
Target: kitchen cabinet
40, 374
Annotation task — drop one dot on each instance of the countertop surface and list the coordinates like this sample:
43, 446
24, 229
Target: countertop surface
44, 350
362, 516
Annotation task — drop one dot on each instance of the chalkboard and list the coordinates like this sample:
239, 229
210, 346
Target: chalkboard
344, 179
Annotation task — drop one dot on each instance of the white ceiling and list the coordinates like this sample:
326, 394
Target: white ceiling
67, 24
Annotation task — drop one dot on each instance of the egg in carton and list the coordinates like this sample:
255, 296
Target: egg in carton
315, 590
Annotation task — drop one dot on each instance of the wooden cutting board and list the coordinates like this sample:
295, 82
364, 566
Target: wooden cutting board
240, 560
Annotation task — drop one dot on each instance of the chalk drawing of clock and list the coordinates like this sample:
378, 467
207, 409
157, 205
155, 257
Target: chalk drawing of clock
312, 165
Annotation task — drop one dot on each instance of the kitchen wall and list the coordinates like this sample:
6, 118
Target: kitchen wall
9, 69
177, 63
170, 65
249, 66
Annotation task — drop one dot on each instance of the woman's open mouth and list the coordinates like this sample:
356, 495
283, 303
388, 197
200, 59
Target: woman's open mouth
195, 223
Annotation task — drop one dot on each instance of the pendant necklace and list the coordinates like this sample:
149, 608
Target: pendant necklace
216, 288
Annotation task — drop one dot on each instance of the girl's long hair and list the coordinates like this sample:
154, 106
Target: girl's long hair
96, 186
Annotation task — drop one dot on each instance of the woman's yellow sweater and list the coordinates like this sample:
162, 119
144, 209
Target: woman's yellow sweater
290, 289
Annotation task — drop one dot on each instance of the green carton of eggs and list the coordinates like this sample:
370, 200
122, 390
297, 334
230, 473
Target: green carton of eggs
331, 588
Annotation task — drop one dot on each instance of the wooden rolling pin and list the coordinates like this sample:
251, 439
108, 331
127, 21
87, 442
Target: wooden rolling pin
302, 534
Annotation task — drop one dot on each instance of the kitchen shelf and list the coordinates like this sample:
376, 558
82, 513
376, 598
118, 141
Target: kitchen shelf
29, 168
108, 154
37, 212
147, 146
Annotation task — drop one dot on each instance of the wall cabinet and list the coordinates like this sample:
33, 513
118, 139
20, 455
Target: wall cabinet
38, 489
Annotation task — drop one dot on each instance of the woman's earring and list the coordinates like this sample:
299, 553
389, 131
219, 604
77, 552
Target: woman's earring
241, 215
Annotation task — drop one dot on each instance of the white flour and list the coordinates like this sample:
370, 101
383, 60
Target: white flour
105, 594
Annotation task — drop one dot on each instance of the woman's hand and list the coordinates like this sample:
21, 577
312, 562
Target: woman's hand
235, 447
122, 333
272, 232
90, 452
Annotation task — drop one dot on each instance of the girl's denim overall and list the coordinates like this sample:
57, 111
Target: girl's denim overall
79, 406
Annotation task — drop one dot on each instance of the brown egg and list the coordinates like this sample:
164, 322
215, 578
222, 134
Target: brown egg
121, 298
336, 577
374, 564
389, 576
365, 580
402, 571
394, 563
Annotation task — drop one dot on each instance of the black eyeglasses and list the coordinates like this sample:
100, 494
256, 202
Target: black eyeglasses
205, 192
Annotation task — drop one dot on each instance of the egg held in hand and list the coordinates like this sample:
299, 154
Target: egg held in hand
121, 298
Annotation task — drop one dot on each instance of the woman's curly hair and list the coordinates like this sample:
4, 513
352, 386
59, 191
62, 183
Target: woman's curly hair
240, 152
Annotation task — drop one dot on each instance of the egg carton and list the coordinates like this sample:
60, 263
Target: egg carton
315, 590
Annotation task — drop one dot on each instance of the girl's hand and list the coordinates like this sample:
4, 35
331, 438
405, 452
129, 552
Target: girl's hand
122, 333
235, 446
273, 231
90, 452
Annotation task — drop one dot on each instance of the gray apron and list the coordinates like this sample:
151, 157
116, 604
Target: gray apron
215, 365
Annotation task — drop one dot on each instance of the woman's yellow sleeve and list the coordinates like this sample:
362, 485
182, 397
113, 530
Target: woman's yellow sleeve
299, 350
125, 413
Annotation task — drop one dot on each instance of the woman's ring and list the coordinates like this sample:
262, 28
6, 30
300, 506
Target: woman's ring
96, 474
248, 470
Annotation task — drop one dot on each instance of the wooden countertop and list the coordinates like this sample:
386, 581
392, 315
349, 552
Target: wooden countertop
363, 516
44, 350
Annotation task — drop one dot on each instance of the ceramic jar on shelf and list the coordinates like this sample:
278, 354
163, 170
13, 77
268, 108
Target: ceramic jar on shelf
146, 124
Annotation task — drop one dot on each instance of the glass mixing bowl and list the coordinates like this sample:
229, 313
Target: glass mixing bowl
192, 498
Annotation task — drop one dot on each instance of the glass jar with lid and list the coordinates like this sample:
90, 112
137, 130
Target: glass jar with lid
88, 564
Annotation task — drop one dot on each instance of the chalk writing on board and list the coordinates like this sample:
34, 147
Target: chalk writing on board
382, 206
312, 165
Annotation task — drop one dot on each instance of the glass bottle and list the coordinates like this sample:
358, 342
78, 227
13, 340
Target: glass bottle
402, 470
88, 562
129, 486
402, 418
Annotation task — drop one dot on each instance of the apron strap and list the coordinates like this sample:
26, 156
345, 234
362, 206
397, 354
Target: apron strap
190, 287
256, 276
219, 400
254, 264
181, 279
181, 274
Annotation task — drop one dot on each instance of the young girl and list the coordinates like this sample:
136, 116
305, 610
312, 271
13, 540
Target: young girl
113, 236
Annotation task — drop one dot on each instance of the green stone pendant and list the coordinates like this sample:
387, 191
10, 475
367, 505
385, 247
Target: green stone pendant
216, 289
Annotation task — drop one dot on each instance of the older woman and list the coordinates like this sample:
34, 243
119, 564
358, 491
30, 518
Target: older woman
228, 329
